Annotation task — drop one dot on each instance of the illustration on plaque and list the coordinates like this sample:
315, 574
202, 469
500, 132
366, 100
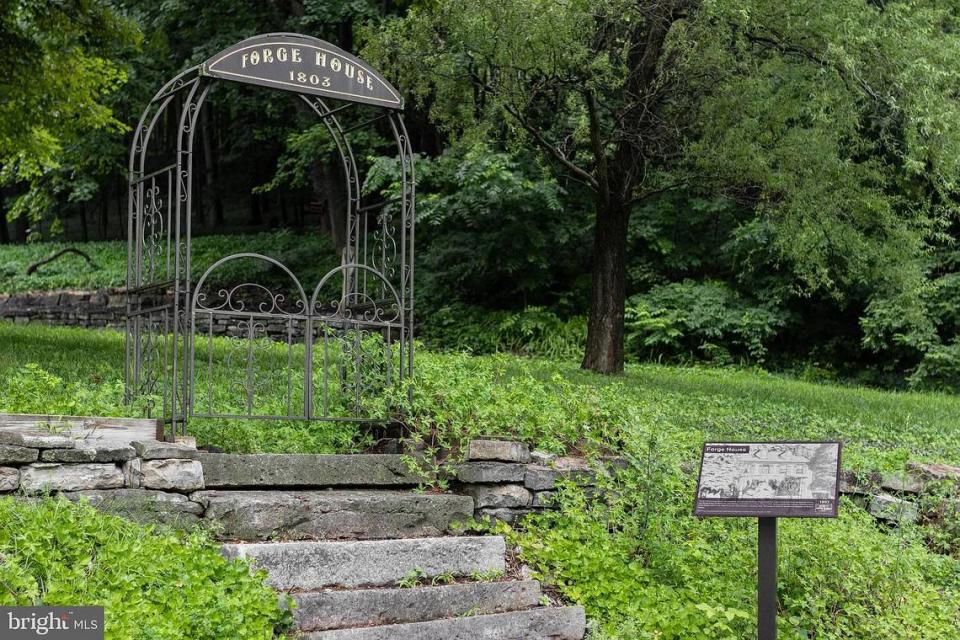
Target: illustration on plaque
773, 478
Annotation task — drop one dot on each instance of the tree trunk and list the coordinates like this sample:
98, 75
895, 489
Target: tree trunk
211, 178
328, 184
604, 350
84, 234
20, 227
4, 229
102, 219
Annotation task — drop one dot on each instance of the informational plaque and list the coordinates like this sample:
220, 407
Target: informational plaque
769, 479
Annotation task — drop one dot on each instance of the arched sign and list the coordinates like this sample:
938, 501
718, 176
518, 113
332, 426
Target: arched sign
304, 65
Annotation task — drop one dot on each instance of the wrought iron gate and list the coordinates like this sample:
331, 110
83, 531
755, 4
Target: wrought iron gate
264, 349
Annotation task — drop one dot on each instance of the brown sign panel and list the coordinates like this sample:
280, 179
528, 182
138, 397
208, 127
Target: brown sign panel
769, 479
303, 64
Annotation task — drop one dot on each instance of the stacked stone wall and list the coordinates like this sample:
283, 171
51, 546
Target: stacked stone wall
147, 481
94, 309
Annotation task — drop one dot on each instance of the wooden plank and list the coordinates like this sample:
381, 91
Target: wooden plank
93, 430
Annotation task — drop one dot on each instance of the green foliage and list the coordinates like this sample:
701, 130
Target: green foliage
818, 159
632, 554
32, 387
153, 585
645, 568
63, 371
413, 578
494, 229
699, 320
552, 405
63, 60
533, 331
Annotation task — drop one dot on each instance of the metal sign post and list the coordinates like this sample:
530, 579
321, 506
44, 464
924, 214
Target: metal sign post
766, 578
767, 480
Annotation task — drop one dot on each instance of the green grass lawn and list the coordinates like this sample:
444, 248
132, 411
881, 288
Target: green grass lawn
553, 405
632, 553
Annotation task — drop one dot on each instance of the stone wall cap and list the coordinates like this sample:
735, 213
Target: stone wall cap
936, 471
36, 440
498, 450
156, 450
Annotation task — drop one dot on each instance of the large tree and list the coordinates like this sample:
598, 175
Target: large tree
583, 81
834, 122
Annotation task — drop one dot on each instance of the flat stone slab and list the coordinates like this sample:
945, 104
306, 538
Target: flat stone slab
325, 610
544, 623
35, 438
9, 478
13, 454
315, 565
903, 482
935, 471
171, 474
55, 476
69, 455
154, 450
221, 470
143, 505
499, 450
492, 472
336, 514
892, 509
90, 431
544, 478
499, 496
114, 453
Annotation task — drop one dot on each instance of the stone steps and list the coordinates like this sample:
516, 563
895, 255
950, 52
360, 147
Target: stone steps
332, 514
326, 610
353, 532
544, 623
316, 565
245, 471
349, 590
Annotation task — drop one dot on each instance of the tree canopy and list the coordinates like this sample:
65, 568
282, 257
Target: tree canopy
835, 125
740, 179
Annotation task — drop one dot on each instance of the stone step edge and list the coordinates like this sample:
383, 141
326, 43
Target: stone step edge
344, 609
541, 623
332, 514
302, 470
321, 564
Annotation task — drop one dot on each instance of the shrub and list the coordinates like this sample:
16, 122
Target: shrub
153, 585
699, 320
535, 331
939, 369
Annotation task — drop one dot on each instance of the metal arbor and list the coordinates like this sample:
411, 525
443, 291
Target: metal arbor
264, 348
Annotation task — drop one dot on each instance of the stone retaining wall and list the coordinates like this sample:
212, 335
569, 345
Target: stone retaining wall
102, 308
895, 497
144, 480
508, 481
151, 481
107, 308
